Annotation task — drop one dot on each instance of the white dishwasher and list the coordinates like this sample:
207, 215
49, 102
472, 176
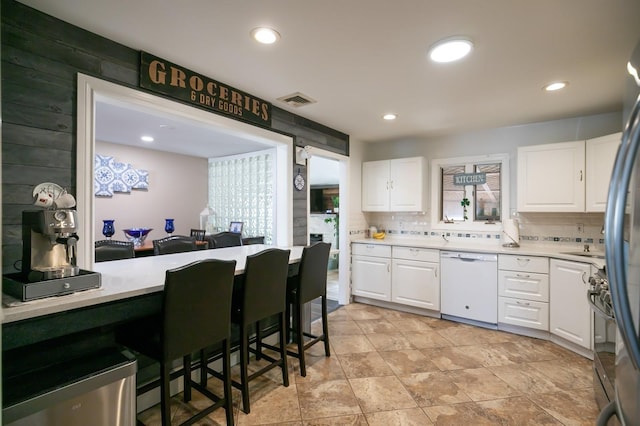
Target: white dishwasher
469, 286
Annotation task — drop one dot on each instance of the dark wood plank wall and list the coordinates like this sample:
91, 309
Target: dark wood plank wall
41, 57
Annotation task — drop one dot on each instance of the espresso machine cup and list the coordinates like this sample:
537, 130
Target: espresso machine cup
49, 244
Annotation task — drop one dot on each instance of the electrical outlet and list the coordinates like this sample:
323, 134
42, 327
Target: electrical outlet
580, 227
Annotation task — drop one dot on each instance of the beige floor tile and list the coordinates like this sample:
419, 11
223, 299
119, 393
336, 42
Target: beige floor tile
343, 328
571, 373
469, 335
574, 407
468, 413
440, 324
425, 339
408, 361
327, 399
319, 368
410, 324
389, 342
277, 406
353, 420
376, 326
451, 358
381, 394
480, 384
525, 378
433, 388
408, 417
487, 354
516, 411
351, 344
364, 314
366, 364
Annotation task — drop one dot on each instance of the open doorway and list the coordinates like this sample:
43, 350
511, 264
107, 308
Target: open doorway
327, 175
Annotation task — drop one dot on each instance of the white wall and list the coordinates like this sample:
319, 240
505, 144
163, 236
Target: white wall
177, 189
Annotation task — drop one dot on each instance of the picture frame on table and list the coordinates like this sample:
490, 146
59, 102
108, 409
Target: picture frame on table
236, 227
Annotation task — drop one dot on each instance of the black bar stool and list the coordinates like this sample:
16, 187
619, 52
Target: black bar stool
309, 284
196, 313
174, 244
263, 296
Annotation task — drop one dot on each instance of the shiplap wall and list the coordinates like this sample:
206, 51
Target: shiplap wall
41, 57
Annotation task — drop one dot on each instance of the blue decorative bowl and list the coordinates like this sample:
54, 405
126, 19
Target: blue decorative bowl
137, 235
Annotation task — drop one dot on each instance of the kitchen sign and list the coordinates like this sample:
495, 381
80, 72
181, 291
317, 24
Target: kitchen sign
469, 179
162, 76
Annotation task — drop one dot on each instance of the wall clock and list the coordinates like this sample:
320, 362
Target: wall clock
298, 181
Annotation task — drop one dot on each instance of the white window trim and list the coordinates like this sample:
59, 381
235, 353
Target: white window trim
437, 224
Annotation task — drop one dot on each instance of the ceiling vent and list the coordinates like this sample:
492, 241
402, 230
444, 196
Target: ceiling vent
297, 100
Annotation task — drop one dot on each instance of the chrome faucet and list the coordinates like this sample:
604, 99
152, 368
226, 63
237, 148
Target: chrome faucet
586, 248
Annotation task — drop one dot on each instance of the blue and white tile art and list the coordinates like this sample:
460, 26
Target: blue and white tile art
113, 176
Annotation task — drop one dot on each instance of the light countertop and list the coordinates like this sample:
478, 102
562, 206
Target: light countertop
128, 278
556, 251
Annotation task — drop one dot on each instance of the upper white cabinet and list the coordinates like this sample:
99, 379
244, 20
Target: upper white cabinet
601, 154
551, 177
393, 185
566, 176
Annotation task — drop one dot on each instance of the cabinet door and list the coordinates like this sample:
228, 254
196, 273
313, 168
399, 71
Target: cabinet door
415, 283
406, 180
570, 315
523, 285
551, 177
524, 313
601, 153
371, 277
375, 186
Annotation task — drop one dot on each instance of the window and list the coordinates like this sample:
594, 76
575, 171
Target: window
470, 192
242, 189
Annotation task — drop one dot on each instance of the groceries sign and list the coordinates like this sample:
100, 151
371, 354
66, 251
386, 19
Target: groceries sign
180, 83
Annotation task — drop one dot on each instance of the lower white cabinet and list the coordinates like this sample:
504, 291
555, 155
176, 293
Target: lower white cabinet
371, 271
414, 277
523, 291
570, 315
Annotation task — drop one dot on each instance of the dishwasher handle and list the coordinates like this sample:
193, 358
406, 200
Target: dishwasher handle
469, 257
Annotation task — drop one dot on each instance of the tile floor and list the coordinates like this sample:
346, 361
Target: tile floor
393, 368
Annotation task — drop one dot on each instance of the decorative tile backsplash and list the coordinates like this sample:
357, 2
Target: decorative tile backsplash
113, 176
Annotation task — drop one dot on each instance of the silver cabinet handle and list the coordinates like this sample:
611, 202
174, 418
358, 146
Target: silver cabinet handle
523, 275
580, 175
523, 259
582, 276
435, 272
523, 303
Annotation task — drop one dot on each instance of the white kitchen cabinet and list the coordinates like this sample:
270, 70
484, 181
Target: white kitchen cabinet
371, 271
601, 154
566, 176
570, 315
414, 277
394, 185
551, 177
523, 291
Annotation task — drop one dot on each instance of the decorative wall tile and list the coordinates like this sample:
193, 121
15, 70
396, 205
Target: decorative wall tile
113, 176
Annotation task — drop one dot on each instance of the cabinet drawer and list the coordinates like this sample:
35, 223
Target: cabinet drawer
414, 253
376, 250
523, 263
524, 285
524, 313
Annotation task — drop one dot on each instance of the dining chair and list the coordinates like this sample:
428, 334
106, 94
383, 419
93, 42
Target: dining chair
113, 250
224, 239
263, 297
308, 285
196, 313
199, 234
174, 244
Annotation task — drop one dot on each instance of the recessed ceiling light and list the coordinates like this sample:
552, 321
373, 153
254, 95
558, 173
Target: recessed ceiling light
450, 49
556, 85
265, 35
390, 116
146, 138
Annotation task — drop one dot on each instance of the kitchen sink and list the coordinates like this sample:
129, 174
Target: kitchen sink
596, 255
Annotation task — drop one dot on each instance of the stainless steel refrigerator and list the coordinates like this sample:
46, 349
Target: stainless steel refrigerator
622, 226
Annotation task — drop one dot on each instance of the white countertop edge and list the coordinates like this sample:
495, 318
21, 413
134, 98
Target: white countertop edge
123, 279
556, 251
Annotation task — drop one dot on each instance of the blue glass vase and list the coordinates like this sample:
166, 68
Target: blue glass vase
168, 226
107, 228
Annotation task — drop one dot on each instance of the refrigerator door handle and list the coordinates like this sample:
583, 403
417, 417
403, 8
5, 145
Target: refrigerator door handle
614, 236
607, 412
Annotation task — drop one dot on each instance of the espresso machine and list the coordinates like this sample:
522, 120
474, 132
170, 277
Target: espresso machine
49, 249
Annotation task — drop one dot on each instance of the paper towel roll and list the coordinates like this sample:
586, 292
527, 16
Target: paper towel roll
510, 233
